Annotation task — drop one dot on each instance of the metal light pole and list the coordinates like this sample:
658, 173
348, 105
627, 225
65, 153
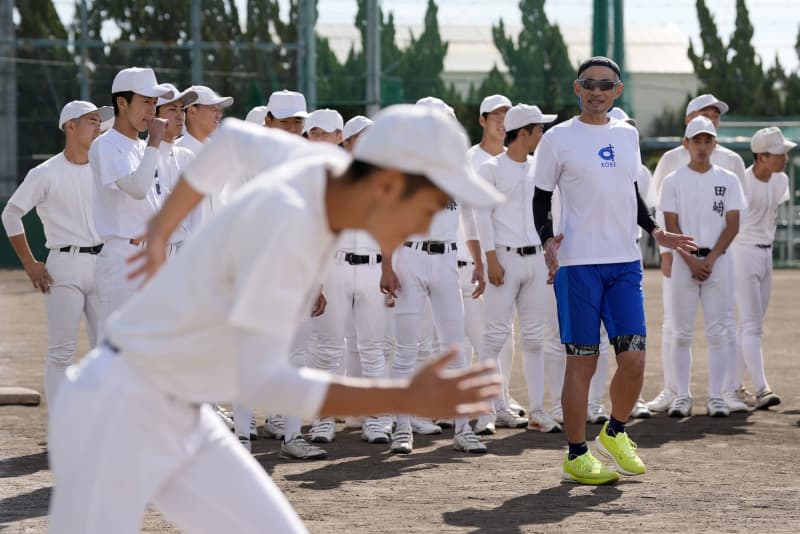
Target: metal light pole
373, 52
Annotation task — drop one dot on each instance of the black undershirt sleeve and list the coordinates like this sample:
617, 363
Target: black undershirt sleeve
542, 205
643, 217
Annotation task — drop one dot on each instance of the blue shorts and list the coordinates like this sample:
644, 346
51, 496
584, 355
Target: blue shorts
587, 294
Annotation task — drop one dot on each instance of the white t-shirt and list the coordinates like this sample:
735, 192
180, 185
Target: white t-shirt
250, 271
511, 223
477, 156
763, 199
595, 167
172, 160
701, 201
61, 192
113, 156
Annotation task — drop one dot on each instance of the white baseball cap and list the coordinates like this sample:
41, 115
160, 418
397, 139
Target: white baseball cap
187, 97
433, 102
770, 141
329, 120
700, 125
703, 101
523, 115
141, 81
618, 114
493, 102
425, 140
355, 126
207, 97
257, 115
78, 108
285, 104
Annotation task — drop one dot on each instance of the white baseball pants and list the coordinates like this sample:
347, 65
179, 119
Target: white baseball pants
714, 294
178, 457
753, 275
524, 284
72, 295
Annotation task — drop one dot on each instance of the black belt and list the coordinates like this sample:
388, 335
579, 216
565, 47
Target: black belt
764, 246
83, 250
702, 252
432, 247
355, 259
525, 251
462, 263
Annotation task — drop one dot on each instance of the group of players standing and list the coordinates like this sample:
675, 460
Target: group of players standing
381, 313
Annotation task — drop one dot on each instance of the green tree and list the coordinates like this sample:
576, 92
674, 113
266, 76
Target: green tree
792, 86
745, 70
711, 63
537, 62
423, 61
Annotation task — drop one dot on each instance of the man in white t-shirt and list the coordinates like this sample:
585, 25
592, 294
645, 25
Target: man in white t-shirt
425, 269
712, 108
127, 190
492, 113
596, 263
765, 186
61, 191
515, 263
173, 159
704, 200
212, 326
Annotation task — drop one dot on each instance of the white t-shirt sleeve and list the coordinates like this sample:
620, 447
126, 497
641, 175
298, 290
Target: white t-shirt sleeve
266, 378
31, 192
467, 223
483, 216
12, 220
644, 182
546, 168
736, 201
238, 151
785, 187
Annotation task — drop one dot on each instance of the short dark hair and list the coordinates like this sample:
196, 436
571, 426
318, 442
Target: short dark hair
127, 95
511, 135
600, 61
360, 170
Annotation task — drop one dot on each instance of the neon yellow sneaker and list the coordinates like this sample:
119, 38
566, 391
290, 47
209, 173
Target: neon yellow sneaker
621, 450
586, 469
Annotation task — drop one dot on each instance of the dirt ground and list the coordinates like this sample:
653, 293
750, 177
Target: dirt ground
704, 475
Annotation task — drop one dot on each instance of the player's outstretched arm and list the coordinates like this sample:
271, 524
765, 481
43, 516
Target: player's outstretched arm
177, 206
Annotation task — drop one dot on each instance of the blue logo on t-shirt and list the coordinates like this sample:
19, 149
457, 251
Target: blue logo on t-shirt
607, 155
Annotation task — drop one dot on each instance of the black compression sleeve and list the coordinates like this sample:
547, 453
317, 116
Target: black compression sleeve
643, 217
542, 204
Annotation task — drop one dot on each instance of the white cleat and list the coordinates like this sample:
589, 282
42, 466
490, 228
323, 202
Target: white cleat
424, 427
557, 412
299, 449
374, 431
735, 404
541, 421
225, 416
765, 399
596, 413
485, 426
640, 410
663, 401
274, 427
323, 430
681, 407
509, 418
466, 440
245, 442
514, 405
253, 428
402, 441
717, 407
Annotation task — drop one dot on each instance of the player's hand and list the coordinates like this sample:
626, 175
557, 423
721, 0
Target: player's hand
478, 280
666, 264
156, 131
390, 284
551, 247
495, 271
40, 278
436, 391
676, 241
696, 267
389, 301
319, 305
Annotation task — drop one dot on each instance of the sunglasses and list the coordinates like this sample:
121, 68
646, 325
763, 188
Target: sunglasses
604, 85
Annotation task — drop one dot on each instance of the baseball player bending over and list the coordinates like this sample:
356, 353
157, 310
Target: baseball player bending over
61, 191
705, 200
212, 326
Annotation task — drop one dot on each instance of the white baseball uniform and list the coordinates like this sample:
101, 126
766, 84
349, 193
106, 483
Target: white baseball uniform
173, 347
509, 230
61, 192
172, 160
127, 192
701, 202
212, 202
752, 257
671, 161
